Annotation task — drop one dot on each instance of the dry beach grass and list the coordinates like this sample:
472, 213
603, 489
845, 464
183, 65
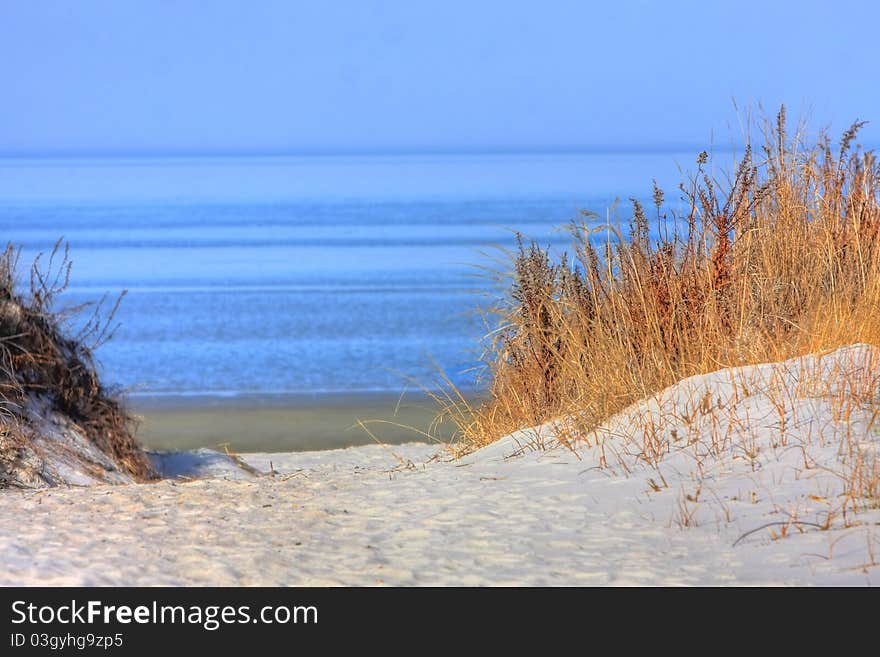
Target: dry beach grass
779, 259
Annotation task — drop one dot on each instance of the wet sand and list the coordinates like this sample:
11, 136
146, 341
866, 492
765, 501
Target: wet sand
284, 423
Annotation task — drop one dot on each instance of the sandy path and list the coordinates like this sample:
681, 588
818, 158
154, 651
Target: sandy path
351, 517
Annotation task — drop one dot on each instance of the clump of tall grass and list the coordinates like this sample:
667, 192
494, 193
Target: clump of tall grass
778, 259
41, 358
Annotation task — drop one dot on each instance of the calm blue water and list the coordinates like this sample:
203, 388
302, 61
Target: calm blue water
321, 274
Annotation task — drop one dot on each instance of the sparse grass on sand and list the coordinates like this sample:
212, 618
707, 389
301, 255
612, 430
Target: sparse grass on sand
777, 259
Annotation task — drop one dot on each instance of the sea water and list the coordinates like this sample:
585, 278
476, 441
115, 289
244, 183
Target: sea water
303, 275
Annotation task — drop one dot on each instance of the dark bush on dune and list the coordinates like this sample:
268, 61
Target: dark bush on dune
47, 370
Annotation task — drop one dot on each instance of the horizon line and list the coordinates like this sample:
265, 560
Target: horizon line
182, 153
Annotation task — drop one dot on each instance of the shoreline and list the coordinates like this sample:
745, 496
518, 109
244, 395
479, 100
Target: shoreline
286, 422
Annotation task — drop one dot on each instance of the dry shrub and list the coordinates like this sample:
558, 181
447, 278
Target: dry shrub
779, 259
38, 358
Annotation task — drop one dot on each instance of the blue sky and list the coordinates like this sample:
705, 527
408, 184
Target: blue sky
296, 76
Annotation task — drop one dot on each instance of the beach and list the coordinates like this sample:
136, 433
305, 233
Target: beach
279, 344
527, 510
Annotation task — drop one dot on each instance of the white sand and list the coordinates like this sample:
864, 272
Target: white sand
551, 517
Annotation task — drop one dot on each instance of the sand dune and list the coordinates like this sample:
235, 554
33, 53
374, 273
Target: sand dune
751, 491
